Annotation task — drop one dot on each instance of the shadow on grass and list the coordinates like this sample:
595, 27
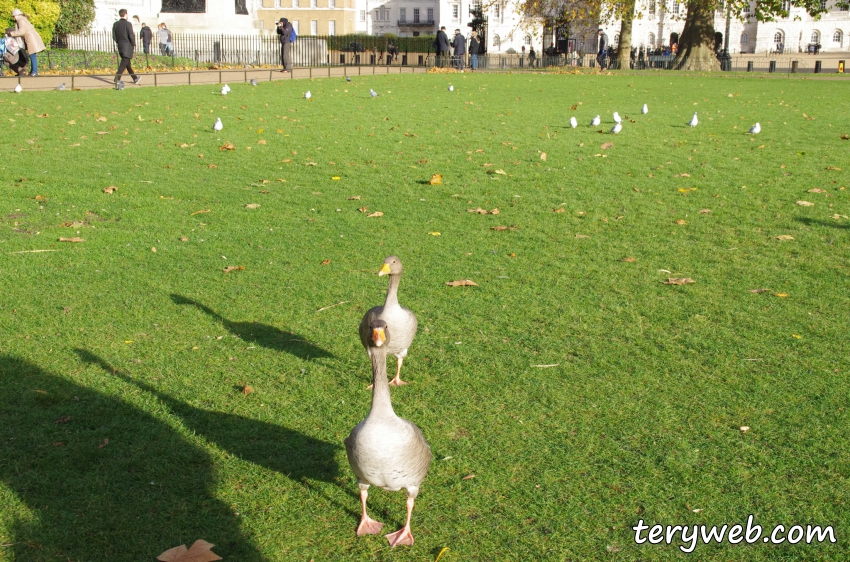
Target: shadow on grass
144, 491
818, 222
289, 452
262, 334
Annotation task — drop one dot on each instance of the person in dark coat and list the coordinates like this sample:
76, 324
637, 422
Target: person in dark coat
459, 44
125, 38
146, 35
284, 32
473, 50
602, 53
441, 45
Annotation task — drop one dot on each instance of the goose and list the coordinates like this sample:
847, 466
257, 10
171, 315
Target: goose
573, 122
755, 129
385, 450
401, 321
644, 109
617, 118
595, 121
694, 121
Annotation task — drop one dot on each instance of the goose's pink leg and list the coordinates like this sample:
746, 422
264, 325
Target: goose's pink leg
403, 535
367, 526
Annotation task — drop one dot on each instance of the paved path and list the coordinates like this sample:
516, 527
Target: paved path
91, 82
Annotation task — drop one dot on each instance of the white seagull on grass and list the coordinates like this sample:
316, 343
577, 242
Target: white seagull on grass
755, 129
694, 121
595, 121
218, 125
573, 122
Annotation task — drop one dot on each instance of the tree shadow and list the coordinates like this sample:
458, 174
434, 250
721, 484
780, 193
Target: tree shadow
262, 334
82, 498
820, 222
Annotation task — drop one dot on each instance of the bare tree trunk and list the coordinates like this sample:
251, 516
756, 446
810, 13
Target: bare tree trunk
624, 48
696, 44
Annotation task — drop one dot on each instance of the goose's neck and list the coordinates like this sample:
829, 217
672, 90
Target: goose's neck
392, 292
381, 402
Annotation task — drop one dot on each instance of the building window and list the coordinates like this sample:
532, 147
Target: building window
676, 8
382, 14
497, 42
651, 8
836, 37
651, 40
402, 14
331, 3
815, 36
362, 15
455, 12
786, 6
823, 5
415, 15
527, 39
332, 27
312, 3
745, 39
314, 27
616, 39
416, 34
296, 26
747, 8
430, 14
496, 11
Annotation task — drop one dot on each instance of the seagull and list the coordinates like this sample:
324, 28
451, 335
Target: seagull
348, 78
308, 95
226, 87
694, 121
451, 88
61, 87
616, 128
755, 129
373, 93
254, 82
616, 117
18, 89
218, 125
595, 121
644, 109
224, 91
573, 122
120, 85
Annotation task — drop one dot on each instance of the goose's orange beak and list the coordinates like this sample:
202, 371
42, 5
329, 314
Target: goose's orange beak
385, 270
379, 337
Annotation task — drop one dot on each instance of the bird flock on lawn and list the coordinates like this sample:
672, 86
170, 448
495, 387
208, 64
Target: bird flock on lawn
385, 450
618, 122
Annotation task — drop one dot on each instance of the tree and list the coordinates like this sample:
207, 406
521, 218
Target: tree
76, 16
42, 15
624, 47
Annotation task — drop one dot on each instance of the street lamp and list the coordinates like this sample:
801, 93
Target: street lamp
726, 60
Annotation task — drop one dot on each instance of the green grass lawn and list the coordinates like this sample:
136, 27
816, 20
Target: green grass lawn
636, 416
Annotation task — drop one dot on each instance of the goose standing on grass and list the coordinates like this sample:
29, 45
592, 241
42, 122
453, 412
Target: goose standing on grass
385, 450
401, 321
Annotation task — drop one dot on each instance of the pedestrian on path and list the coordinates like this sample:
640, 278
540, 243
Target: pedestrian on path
284, 35
473, 50
459, 44
146, 35
125, 38
31, 37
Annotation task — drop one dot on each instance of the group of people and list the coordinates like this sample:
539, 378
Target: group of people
125, 40
457, 49
20, 44
163, 36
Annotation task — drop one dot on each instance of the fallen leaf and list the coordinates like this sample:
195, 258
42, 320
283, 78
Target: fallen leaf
606, 145
543, 156
311, 164
212, 166
261, 141
704, 211
574, 107
558, 210
784, 237
757, 291
101, 119
805, 203
844, 136
678, 281
630, 260
436, 179
104, 444
781, 295
375, 214
816, 190
247, 389
230, 268
252, 206
834, 168
201, 551
73, 239
581, 236
153, 249
797, 336
744, 428
354, 198
504, 173
837, 217
202, 211
335, 177
462, 283
434, 233
363, 209
468, 477
227, 146
63, 420
184, 239
326, 262
500, 228
680, 221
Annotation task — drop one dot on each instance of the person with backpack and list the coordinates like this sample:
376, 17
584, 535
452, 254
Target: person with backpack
286, 36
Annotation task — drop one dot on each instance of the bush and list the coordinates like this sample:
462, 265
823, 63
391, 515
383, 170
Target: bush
43, 15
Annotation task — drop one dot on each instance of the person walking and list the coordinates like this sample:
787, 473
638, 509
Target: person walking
284, 34
125, 38
473, 50
146, 35
163, 35
532, 57
459, 44
441, 46
602, 53
33, 41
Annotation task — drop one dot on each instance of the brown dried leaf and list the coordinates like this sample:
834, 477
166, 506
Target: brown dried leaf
110, 190
558, 210
494, 212
230, 268
543, 156
680, 221
73, 239
261, 141
327, 262
101, 118
844, 136
574, 107
784, 237
478, 210
816, 190
758, 291
247, 389
629, 259
462, 283
805, 203
375, 214
227, 146
678, 281
582, 236
363, 209
436, 179
468, 477
835, 168
354, 198
201, 551
201, 212
606, 145
184, 239
704, 211
500, 228
252, 206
